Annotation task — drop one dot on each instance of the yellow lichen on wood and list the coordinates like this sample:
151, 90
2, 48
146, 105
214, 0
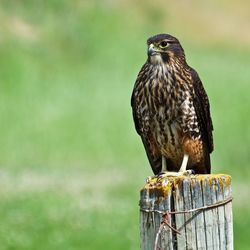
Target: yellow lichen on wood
162, 184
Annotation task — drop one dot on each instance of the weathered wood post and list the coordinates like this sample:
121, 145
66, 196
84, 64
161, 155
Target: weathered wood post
187, 213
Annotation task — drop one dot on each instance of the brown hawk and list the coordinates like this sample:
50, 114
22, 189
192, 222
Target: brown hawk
171, 110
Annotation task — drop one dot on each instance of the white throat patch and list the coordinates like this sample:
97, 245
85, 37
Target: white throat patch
156, 59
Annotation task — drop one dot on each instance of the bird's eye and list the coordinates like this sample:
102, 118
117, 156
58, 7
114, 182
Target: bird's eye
163, 44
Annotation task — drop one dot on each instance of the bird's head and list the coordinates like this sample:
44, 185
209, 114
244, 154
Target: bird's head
163, 48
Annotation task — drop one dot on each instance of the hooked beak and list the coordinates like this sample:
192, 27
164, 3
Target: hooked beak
151, 50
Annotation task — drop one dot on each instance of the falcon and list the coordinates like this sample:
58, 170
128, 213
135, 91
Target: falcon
171, 111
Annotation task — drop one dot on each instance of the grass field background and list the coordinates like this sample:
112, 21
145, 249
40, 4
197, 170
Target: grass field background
71, 164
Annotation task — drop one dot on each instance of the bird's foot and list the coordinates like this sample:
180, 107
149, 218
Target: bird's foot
188, 172
148, 179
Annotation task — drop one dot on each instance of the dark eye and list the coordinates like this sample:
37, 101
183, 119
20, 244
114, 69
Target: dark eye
163, 44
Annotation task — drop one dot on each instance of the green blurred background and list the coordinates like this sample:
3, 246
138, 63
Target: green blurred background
71, 163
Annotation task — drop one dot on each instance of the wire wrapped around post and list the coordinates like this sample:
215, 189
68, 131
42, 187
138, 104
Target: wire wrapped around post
187, 213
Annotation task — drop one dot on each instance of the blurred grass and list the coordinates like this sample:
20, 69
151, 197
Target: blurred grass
71, 163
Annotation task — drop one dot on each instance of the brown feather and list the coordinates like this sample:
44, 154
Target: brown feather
171, 110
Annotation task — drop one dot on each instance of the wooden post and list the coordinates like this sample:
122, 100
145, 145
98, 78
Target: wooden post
186, 213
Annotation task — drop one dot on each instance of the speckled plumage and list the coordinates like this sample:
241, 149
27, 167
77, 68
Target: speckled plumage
171, 109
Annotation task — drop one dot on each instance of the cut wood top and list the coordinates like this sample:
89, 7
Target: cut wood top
161, 184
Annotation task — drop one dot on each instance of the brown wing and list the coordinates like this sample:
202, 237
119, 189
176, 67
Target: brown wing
148, 141
202, 108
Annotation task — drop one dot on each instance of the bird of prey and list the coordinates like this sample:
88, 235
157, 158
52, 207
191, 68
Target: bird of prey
171, 111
